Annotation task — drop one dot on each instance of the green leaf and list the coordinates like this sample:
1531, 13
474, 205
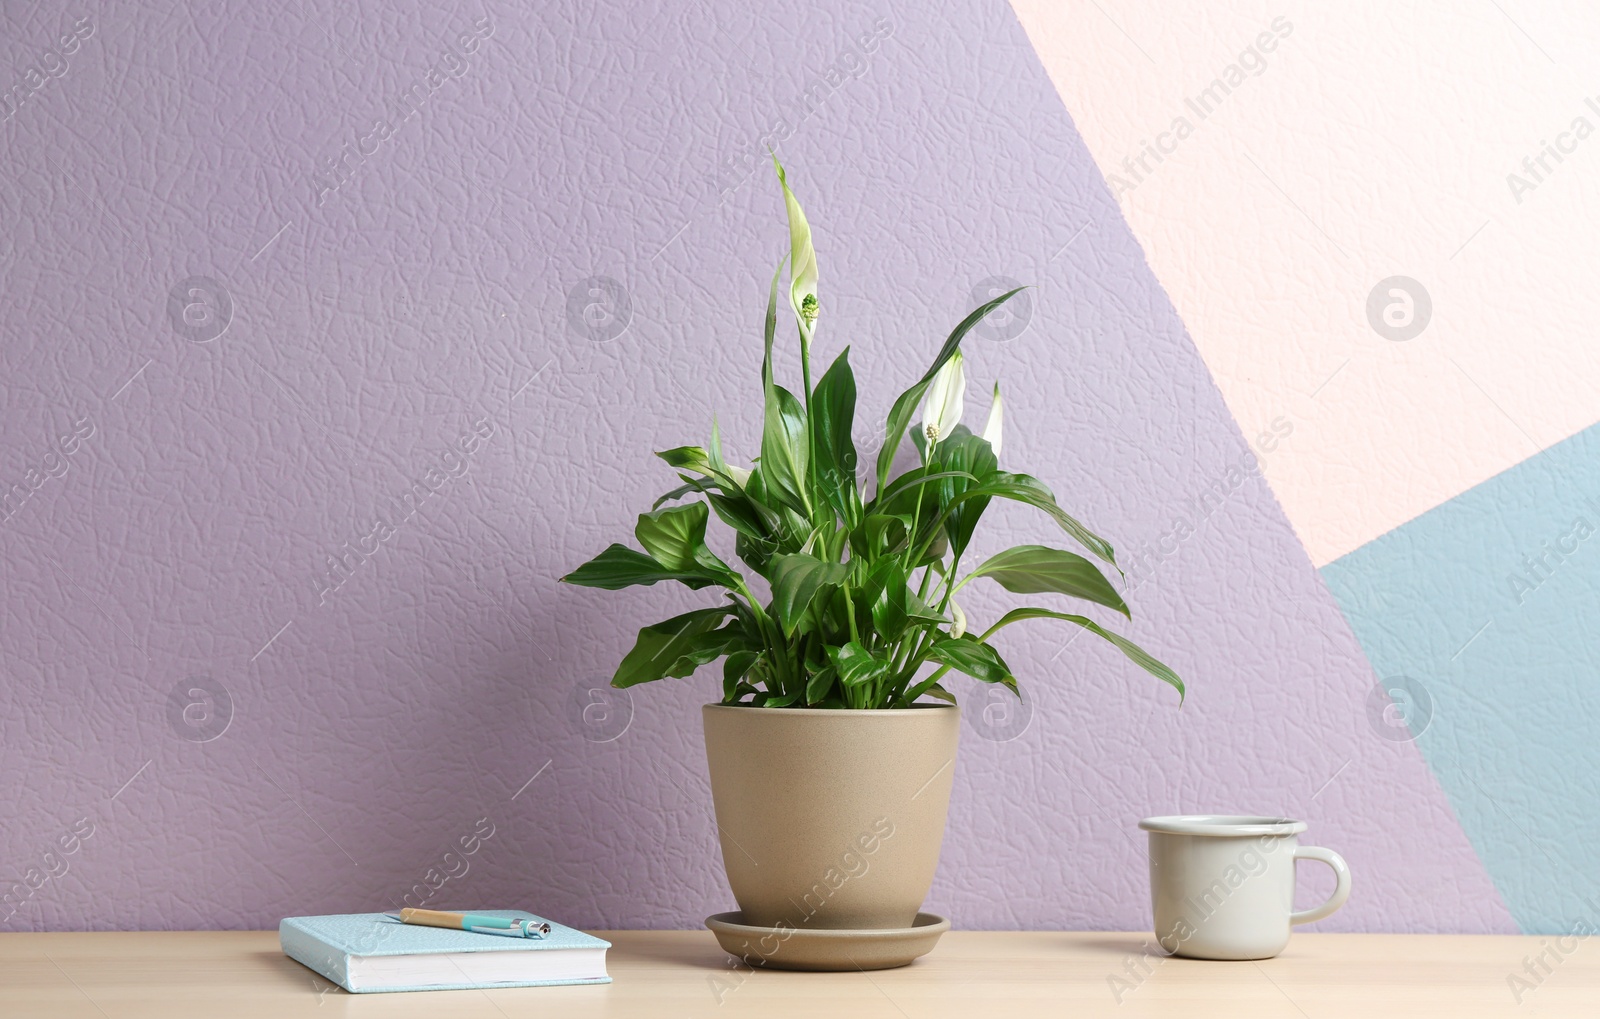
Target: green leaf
1138, 655
676, 647
975, 658
887, 595
906, 404
785, 442
620, 566
911, 480
796, 578
856, 665
785, 438
676, 538
737, 510
785, 450
939, 693
707, 462
833, 414
734, 668
1022, 488
679, 492
963, 451
754, 552
738, 513
692, 457
771, 325
880, 534
1035, 569
817, 686
714, 449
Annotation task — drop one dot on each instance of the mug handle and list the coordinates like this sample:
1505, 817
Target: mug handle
1341, 889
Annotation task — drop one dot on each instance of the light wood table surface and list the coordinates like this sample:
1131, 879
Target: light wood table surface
666, 974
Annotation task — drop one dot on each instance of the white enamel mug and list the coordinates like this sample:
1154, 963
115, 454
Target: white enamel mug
1223, 885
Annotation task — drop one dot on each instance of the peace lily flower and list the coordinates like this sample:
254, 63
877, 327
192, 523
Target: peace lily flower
960, 625
942, 411
740, 476
991, 428
802, 261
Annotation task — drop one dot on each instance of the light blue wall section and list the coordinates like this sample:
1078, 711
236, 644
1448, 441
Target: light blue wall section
1491, 602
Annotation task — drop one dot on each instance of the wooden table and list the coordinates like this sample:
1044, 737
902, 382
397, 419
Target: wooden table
664, 974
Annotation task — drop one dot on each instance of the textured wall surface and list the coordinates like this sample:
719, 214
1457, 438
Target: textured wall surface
1282, 163
1479, 616
1378, 224
333, 334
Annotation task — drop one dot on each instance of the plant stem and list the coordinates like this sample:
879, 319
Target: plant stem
771, 638
949, 579
805, 366
850, 611
927, 453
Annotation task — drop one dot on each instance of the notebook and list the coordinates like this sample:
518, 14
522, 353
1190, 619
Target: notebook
364, 952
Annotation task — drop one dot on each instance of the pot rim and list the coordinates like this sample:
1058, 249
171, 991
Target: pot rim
835, 712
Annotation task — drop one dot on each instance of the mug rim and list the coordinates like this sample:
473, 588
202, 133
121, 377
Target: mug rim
1223, 825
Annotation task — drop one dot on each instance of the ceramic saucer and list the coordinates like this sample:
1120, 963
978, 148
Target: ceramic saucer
799, 948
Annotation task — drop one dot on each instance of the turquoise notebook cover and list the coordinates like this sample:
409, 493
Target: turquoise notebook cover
326, 944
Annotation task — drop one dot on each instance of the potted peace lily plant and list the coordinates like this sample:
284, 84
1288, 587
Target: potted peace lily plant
832, 748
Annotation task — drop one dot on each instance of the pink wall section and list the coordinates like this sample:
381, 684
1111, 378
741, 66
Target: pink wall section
1320, 154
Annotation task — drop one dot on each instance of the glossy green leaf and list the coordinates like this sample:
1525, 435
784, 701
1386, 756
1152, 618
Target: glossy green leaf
674, 536
754, 552
1035, 569
964, 452
738, 513
818, 685
901, 493
881, 533
689, 457
856, 665
887, 595
796, 578
1136, 654
694, 458
785, 450
678, 493
734, 668
833, 414
939, 693
676, 647
1022, 488
975, 658
770, 326
620, 566
906, 404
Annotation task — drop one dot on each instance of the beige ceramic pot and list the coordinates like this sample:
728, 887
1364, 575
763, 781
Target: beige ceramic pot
831, 820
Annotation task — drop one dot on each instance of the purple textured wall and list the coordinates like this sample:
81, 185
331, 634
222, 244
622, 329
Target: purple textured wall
311, 393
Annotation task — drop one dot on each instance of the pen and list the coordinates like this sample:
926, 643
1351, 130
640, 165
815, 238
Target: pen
477, 923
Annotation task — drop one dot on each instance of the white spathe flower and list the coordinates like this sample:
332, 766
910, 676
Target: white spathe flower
802, 258
991, 428
942, 410
740, 476
960, 625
